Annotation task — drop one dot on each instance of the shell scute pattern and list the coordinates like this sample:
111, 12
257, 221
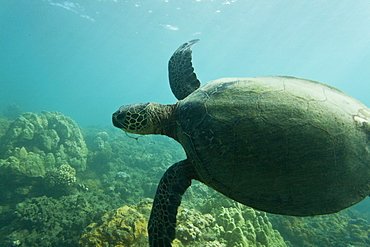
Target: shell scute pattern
237, 130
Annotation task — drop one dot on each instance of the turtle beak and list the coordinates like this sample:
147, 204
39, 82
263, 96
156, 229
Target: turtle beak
115, 119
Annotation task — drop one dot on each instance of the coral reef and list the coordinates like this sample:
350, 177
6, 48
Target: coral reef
46, 199
12, 111
33, 145
60, 181
50, 135
45, 221
234, 225
130, 167
245, 226
62, 177
227, 222
4, 125
125, 227
196, 229
101, 139
346, 228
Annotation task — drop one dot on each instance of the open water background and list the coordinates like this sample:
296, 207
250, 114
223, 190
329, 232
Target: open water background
85, 58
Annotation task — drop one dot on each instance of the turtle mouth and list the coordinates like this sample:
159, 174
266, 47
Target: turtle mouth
116, 117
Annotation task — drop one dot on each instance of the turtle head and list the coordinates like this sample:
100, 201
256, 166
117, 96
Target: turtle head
133, 118
143, 118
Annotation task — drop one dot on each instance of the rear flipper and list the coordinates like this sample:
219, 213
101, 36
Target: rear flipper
162, 222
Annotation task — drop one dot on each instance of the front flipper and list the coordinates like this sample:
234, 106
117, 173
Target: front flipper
162, 222
183, 80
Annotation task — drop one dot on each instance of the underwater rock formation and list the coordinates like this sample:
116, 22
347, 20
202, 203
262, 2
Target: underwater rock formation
12, 111
64, 176
197, 229
233, 225
121, 171
35, 144
346, 228
101, 139
4, 125
128, 166
126, 226
237, 225
60, 181
50, 135
45, 221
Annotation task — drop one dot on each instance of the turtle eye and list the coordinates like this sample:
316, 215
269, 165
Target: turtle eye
121, 117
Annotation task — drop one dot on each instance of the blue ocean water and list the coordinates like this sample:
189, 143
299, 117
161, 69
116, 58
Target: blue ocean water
85, 58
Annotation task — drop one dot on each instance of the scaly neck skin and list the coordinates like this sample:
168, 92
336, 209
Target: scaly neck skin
163, 118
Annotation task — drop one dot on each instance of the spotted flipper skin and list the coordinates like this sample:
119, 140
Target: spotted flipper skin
183, 80
162, 222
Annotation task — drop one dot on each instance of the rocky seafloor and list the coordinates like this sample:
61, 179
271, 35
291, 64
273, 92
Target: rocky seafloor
62, 185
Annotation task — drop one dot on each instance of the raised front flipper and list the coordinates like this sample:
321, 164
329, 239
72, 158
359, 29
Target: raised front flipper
162, 222
183, 80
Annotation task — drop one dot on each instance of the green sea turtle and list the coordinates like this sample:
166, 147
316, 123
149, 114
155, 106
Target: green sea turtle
282, 145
